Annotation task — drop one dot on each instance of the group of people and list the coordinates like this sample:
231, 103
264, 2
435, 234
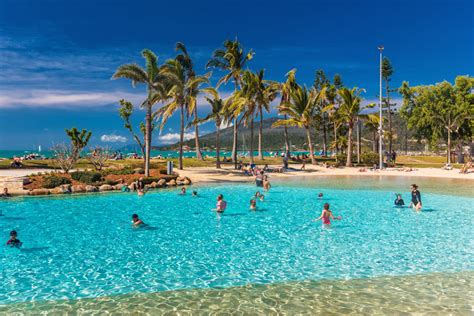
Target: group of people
415, 199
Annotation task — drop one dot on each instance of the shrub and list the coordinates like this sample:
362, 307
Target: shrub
87, 177
111, 182
148, 180
370, 158
52, 181
163, 171
341, 158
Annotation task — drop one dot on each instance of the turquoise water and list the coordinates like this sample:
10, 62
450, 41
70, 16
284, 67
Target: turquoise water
83, 246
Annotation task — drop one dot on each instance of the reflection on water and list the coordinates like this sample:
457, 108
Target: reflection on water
395, 183
432, 293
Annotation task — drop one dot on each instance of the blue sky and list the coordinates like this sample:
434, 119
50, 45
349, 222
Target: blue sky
57, 57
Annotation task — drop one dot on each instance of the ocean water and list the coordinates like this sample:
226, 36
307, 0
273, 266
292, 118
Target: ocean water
84, 246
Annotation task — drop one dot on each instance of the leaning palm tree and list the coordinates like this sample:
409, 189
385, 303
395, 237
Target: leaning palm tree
231, 59
301, 112
192, 93
180, 85
218, 114
348, 112
156, 91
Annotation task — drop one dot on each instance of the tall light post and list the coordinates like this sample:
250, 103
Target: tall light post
380, 109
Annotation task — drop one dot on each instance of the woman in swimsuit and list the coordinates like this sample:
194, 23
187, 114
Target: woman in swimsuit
221, 204
415, 197
326, 216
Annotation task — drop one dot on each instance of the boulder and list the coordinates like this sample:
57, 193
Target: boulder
91, 188
105, 187
60, 190
179, 179
39, 192
171, 183
154, 184
78, 188
161, 182
119, 186
187, 181
66, 188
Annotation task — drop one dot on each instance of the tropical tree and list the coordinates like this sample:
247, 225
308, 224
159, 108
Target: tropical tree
371, 122
440, 111
79, 141
232, 59
286, 88
156, 85
218, 114
387, 71
321, 82
333, 101
348, 112
179, 92
301, 111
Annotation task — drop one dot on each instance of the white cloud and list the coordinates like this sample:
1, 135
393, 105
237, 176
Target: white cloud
171, 138
63, 98
112, 138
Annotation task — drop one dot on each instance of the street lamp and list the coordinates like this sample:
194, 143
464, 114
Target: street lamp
380, 108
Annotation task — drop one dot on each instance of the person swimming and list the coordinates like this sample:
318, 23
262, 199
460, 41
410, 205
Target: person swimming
326, 215
253, 205
194, 193
221, 204
399, 201
320, 196
136, 221
13, 241
5, 193
183, 191
415, 197
259, 196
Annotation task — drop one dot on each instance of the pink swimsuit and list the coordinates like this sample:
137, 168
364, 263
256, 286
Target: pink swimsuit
221, 205
326, 220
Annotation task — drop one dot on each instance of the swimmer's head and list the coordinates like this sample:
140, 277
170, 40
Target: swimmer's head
13, 234
257, 193
253, 202
134, 216
5, 190
220, 197
320, 194
183, 189
326, 206
414, 187
195, 193
399, 196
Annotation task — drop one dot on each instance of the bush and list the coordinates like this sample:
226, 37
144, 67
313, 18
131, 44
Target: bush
88, 177
118, 171
163, 171
111, 182
342, 158
370, 158
52, 181
148, 180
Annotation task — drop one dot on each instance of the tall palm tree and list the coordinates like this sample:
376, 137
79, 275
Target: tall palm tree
372, 123
178, 92
231, 59
156, 85
187, 63
286, 89
348, 112
301, 112
218, 114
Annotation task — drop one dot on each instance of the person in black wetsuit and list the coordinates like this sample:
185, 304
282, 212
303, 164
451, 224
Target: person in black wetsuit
415, 197
399, 201
5, 193
13, 241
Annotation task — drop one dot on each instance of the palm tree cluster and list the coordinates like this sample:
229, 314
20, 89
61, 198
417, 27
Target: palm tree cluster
175, 86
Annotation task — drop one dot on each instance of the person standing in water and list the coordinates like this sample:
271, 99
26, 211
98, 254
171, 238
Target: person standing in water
136, 221
326, 216
399, 201
266, 184
13, 241
415, 197
221, 204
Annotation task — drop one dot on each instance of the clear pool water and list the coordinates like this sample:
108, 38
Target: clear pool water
83, 246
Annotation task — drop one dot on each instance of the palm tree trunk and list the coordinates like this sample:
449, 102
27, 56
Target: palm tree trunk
196, 137
449, 146
374, 143
325, 146
358, 141
260, 136
181, 139
234, 143
310, 145
389, 117
218, 145
147, 140
251, 140
349, 147
335, 138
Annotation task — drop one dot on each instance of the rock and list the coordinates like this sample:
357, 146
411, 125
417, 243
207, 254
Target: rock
60, 190
66, 188
161, 182
78, 188
91, 188
119, 186
179, 179
171, 183
39, 192
153, 184
187, 181
105, 187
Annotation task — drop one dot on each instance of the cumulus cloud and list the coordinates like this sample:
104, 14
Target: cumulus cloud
171, 138
63, 98
112, 138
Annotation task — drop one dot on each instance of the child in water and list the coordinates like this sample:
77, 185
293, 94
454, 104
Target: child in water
194, 193
415, 197
326, 215
136, 222
183, 191
13, 241
320, 196
259, 196
253, 205
399, 201
221, 204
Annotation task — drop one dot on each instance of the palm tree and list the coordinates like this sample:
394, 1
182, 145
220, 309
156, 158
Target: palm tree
286, 89
372, 123
233, 60
218, 114
156, 91
301, 111
187, 64
348, 113
180, 99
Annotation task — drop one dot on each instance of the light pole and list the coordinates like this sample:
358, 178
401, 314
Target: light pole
380, 108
